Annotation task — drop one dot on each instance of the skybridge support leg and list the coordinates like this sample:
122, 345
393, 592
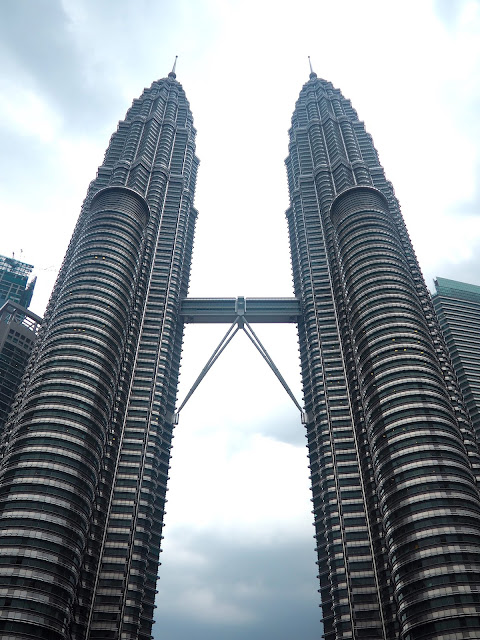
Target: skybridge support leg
240, 323
213, 358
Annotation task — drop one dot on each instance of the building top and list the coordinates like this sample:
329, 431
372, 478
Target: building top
15, 267
447, 287
14, 284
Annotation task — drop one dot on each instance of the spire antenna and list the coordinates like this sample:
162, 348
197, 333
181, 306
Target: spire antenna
172, 73
312, 72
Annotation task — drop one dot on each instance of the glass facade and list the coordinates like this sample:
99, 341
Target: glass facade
14, 283
18, 329
392, 453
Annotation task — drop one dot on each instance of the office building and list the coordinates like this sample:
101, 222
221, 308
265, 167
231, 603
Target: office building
18, 329
86, 452
14, 281
392, 452
457, 306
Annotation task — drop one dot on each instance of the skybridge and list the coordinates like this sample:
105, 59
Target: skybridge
239, 313
217, 310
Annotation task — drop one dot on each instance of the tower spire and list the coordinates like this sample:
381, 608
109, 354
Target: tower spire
172, 73
312, 72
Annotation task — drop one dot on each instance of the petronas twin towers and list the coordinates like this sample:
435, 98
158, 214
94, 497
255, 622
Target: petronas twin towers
85, 454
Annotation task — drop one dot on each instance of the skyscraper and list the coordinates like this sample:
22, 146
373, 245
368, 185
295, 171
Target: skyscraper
392, 453
14, 281
18, 328
86, 453
18, 332
457, 306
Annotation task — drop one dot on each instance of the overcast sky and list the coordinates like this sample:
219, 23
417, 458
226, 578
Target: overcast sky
239, 559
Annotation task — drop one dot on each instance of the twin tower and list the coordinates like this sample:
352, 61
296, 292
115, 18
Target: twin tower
85, 455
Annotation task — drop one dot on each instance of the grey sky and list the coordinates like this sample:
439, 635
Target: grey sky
239, 559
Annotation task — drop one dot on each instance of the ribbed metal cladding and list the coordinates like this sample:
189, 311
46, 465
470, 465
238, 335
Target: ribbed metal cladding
56, 444
153, 152
156, 154
428, 498
355, 583
397, 559
112, 335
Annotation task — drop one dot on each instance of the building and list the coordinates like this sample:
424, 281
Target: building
18, 332
392, 452
14, 282
18, 328
457, 306
86, 452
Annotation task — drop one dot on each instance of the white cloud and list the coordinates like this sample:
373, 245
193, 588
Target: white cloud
248, 487
27, 113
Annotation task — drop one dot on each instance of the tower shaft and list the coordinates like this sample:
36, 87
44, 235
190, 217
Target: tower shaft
392, 453
86, 453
